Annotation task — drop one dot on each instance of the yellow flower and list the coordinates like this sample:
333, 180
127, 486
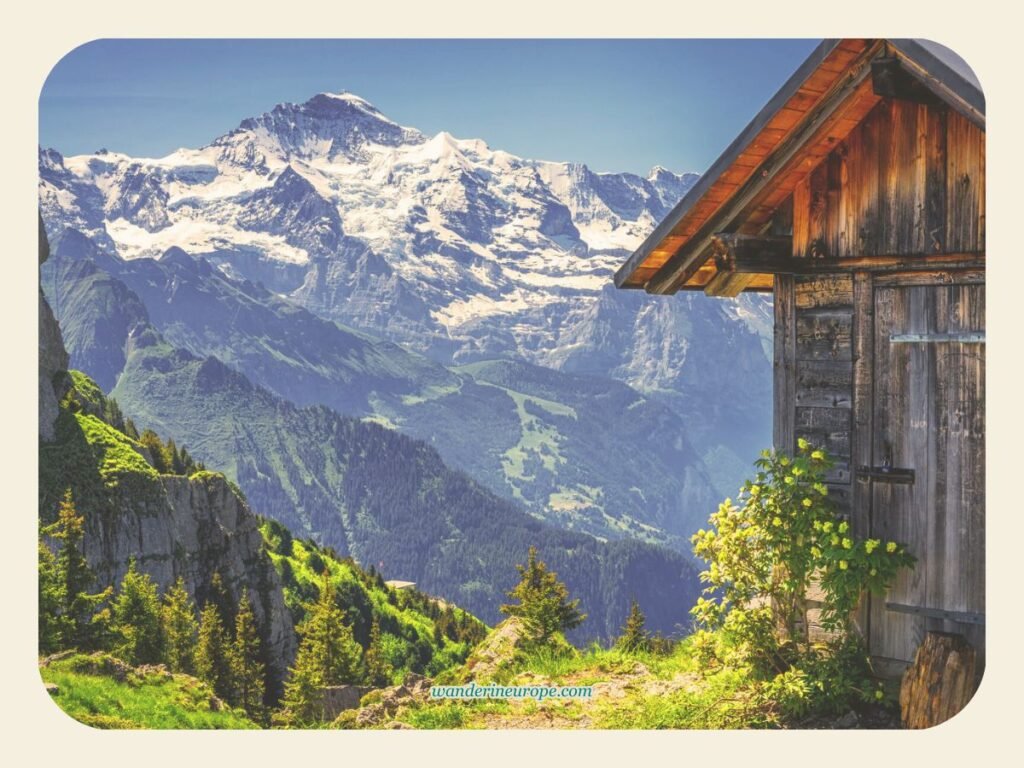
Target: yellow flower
827, 527
844, 527
789, 480
843, 565
803, 444
817, 525
808, 502
755, 490
784, 461
874, 571
776, 522
871, 545
834, 540
817, 455
879, 695
821, 488
815, 551
890, 547
847, 544
797, 471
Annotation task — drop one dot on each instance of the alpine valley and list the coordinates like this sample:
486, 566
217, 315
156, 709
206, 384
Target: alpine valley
405, 346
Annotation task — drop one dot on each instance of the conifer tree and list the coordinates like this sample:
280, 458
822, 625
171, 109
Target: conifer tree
378, 669
213, 654
81, 624
544, 604
248, 670
136, 619
51, 597
634, 637
180, 630
130, 429
328, 655
218, 595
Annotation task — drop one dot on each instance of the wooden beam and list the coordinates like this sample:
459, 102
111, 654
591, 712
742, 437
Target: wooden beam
729, 285
784, 373
916, 263
728, 246
891, 80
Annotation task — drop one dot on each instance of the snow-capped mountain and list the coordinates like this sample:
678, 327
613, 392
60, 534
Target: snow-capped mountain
444, 245
481, 236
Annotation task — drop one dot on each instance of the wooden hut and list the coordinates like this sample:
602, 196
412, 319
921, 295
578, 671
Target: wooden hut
857, 197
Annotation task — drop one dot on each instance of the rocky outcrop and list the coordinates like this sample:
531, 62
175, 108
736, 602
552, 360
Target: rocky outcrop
382, 706
497, 651
195, 528
339, 698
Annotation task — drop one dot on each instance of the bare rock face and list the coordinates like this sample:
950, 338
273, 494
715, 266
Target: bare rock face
197, 527
53, 358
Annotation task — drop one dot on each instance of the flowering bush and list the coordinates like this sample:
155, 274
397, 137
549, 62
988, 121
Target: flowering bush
765, 551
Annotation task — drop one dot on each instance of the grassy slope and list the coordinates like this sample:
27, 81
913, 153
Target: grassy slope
93, 696
407, 629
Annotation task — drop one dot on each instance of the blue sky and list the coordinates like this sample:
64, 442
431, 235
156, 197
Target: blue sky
617, 105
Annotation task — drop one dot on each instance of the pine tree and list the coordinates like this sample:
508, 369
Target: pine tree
178, 622
51, 597
130, 429
328, 655
136, 619
248, 671
544, 603
378, 669
218, 595
81, 624
213, 654
634, 637
174, 458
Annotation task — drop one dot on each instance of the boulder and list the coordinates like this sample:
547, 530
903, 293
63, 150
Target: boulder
338, 698
497, 650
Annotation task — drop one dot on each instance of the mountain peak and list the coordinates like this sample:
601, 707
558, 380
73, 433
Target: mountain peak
330, 125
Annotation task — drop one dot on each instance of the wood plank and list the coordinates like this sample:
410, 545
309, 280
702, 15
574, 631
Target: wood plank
931, 277
958, 531
824, 383
824, 291
935, 180
833, 209
827, 428
861, 416
824, 335
866, 181
801, 218
965, 184
784, 370
879, 263
817, 246
896, 508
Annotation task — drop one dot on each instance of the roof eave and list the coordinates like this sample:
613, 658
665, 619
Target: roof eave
810, 64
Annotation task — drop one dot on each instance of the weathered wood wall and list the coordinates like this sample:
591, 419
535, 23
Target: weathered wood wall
909, 179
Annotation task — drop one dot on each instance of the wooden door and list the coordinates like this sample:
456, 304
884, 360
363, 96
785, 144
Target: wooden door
928, 416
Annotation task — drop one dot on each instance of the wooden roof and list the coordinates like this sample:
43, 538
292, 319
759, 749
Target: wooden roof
820, 104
